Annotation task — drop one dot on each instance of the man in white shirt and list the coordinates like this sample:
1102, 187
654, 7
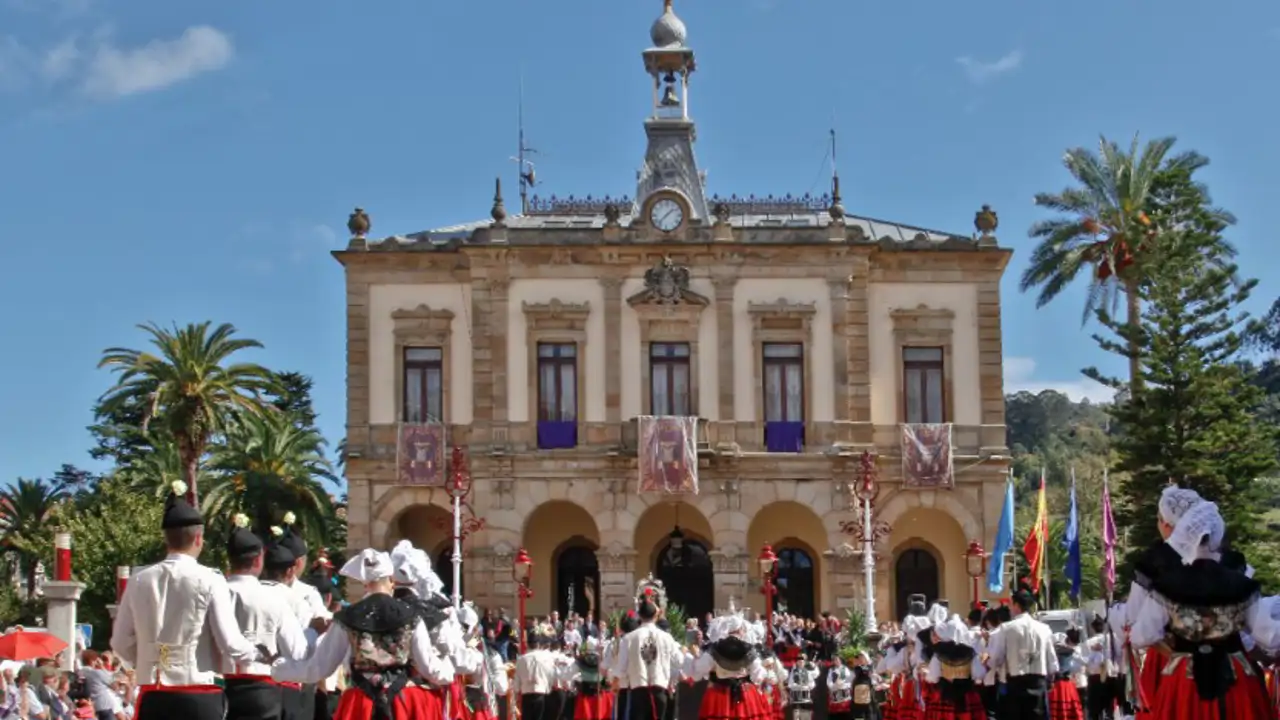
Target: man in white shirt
175, 619
649, 660
267, 620
1023, 648
318, 616
536, 674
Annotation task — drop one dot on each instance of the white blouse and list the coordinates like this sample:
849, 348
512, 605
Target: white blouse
705, 665
334, 650
1260, 620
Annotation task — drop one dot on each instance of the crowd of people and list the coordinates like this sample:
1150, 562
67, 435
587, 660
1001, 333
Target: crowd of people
1190, 642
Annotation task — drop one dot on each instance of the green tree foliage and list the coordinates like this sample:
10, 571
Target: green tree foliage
118, 527
28, 512
1195, 420
1049, 432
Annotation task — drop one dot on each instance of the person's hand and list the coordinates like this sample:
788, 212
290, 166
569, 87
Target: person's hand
320, 625
265, 656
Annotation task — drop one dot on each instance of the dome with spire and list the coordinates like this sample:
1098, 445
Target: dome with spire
668, 30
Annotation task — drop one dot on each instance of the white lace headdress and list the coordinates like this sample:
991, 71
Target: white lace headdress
952, 630
369, 566
413, 569
1199, 533
1175, 502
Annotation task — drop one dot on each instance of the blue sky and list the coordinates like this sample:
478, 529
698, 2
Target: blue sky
185, 161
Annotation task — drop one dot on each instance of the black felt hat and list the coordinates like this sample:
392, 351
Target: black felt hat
243, 543
178, 513
293, 540
278, 555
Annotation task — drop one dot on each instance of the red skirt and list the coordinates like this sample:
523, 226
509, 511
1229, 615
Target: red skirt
718, 704
412, 703
790, 655
1153, 662
940, 707
1064, 701
593, 707
907, 703
1179, 700
773, 695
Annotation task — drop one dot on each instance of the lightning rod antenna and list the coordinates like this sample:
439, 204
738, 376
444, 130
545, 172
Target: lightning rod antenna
524, 165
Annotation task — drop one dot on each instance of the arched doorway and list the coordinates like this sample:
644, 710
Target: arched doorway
915, 572
684, 567
577, 578
444, 568
794, 578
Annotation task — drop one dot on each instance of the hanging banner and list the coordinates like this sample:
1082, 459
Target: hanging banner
420, 455
668, 455
926, 457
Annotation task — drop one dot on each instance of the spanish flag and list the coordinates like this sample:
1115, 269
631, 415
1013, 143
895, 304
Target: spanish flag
1037, 546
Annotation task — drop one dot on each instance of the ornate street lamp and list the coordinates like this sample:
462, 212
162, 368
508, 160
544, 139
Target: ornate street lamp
975, 559
464, 521
522, 571
767, 562
866, 488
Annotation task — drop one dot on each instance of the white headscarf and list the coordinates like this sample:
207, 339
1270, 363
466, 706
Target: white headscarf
1199, 533
369, 566
952, 630
1175, 502
413, 569
938, 614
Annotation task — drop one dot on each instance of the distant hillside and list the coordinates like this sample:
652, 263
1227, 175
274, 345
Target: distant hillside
1049, 432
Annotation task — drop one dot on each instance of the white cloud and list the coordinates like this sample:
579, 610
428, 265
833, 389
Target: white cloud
115, 72
1019, 375
980, 72
104, 70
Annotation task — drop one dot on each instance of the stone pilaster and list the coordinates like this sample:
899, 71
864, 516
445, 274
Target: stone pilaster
857, 333
357, 354
839, 294
482, 365
990, 358
843, 581
724, 286
732, 583
496, 330
613, 348
617, 577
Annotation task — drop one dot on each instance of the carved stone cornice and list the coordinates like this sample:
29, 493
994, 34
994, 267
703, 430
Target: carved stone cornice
422, 313
557, 310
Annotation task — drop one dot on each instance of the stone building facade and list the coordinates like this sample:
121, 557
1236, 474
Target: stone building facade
536, 339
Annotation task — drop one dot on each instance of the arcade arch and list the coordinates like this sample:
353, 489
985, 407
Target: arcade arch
550, 531
928, 540
796, 532
426, 526
673, 541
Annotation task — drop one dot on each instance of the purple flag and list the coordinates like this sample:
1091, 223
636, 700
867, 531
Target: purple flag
1108, 536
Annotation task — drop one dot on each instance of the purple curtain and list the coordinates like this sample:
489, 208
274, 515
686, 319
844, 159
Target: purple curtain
555, 435
784, 437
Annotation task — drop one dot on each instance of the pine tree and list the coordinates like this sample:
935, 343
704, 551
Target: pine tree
1195, 421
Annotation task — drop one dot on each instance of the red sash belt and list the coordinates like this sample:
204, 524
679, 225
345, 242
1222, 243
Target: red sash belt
291, 686
256, 678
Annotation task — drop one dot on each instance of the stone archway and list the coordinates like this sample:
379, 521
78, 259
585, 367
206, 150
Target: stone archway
789, 524
577, 578
673, 541
420, 514
941, 531
916, 570
546, 533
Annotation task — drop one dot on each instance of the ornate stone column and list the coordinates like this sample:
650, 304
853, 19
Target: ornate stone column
858, 359
724, 286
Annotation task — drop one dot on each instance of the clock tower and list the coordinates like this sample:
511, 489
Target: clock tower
669, 186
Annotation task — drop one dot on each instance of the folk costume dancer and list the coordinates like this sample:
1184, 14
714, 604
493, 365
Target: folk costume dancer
279, 567
911, 700
1150, 662
418, 585
489, 681
775, 676
734, 673
650, 659
925, 641
1124, 674
382, 639
1205, 606
563, 694
1064, 697
593, 701
954, 668
1099, 698
316, 617
266, 620
865, 682
1023, 649
839, 690
535, 675
894, 647
621, 684
991, 684
174, 617
801, 682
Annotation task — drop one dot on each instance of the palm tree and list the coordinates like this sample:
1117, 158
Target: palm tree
155, 472
267, 466
27, 509
189, 386
1106, 227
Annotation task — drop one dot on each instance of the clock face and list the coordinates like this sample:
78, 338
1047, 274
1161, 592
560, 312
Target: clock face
666, 214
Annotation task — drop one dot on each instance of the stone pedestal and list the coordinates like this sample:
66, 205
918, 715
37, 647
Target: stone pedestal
61, 599
732, 583
617, 578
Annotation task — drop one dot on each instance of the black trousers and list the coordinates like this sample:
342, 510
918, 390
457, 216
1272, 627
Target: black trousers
253, 699
171, 703
1098, 698
990, 700
649, 703
536, 706
1026, 698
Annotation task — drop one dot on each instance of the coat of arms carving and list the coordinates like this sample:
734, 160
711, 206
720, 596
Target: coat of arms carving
667, 284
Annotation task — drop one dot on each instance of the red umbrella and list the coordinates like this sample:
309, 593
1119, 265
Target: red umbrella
22, 645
